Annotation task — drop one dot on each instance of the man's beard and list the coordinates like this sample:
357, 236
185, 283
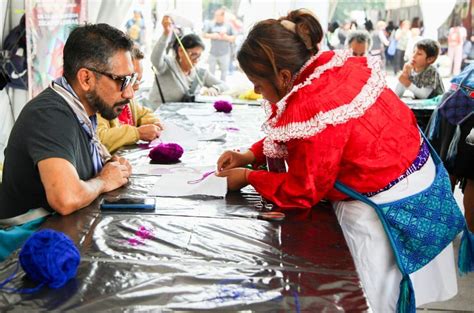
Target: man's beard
107, 112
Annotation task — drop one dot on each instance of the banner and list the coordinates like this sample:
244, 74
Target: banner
48, 24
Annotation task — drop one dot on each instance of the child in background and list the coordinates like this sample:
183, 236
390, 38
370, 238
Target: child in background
419, 75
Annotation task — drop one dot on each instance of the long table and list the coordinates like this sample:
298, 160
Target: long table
422, 108
192, 253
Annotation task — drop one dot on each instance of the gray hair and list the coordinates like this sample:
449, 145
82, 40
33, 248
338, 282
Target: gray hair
361, 36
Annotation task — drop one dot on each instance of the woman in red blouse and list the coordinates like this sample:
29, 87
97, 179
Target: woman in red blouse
331, 117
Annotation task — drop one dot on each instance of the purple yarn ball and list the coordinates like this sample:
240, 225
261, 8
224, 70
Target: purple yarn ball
166, 153
223, 106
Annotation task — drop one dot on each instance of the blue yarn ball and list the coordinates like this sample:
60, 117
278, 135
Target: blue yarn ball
49, 257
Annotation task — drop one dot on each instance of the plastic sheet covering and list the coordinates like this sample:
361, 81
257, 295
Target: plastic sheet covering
192, 254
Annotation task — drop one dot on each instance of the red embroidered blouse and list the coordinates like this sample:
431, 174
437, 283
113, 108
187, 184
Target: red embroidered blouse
340, 121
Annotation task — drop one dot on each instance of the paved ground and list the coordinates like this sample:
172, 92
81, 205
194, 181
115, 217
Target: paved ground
464, 300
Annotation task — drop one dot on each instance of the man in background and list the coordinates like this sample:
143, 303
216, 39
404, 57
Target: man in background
222, 36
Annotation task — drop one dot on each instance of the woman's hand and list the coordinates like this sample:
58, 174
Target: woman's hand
237, 178
209, 91
232, 159
167, 24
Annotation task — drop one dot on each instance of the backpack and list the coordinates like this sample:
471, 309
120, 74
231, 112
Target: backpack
14, 60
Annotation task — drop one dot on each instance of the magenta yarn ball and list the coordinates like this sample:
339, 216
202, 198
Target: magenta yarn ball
166, 153
223, 106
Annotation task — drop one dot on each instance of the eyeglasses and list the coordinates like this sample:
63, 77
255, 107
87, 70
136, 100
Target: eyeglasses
126, 80
137, 83
194, 55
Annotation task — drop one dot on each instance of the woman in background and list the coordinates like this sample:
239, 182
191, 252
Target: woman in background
178, 76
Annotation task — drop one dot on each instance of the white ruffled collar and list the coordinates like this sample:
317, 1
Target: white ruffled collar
274, 143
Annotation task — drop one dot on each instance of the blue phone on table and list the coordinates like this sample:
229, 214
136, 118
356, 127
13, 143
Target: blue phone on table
128, 204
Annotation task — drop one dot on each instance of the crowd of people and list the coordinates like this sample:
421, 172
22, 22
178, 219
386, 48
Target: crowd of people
395, 45
332, 126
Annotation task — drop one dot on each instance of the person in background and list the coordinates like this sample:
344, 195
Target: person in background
344, 30
238, 30
402, 35
136, 28
178, 74
222, 36
391, 50
331, 117
359, 41
415, 36
353, 26
456, 37
134, 123
54, 161
417, 23
451, 132
419, 75
468, 53
332, 36
380, 41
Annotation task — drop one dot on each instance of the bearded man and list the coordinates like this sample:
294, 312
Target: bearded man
54, 161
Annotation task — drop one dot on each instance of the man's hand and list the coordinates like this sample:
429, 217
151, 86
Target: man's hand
226, 37
149, 132
115, 174
66, 192
237, 178
123, 161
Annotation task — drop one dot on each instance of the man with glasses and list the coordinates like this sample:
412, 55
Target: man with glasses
54, 160
134, 123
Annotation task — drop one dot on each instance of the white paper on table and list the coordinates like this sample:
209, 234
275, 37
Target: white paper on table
212, 99
210, 132
199, 111
152, 169
173, 133
179, 184
168, 169
217, 135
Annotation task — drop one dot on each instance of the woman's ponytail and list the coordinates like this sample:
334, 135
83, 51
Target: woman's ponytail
307, 28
